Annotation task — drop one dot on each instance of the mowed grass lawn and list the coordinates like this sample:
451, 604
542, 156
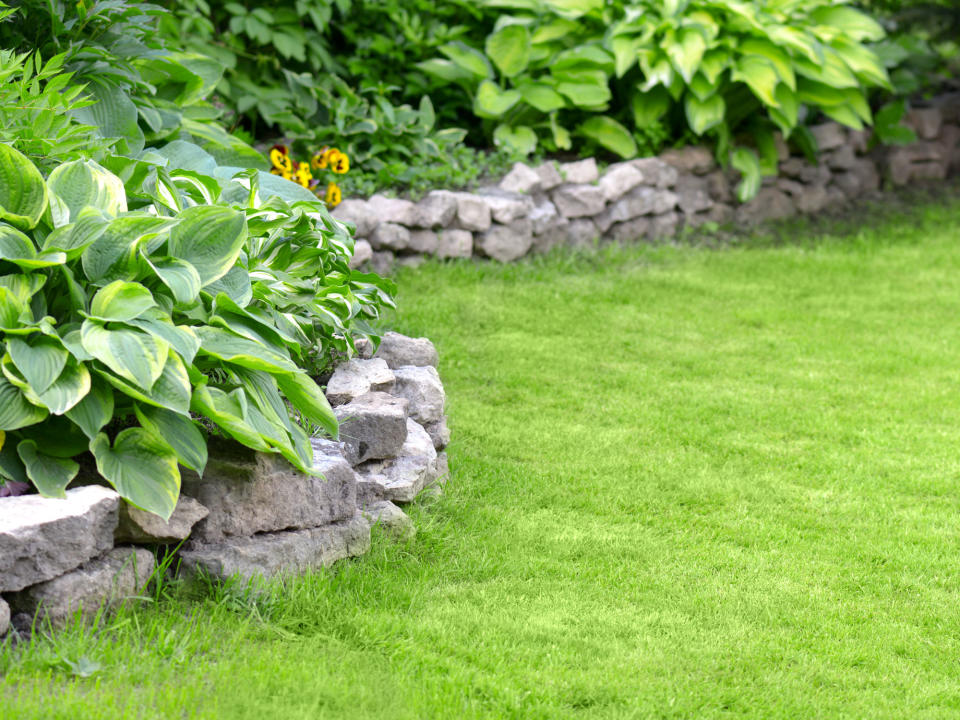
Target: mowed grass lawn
687, 483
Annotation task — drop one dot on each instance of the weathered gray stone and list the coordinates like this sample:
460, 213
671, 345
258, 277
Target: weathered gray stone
575, 201
250, 492
693, 194
359, 213
393, 210
439, 433
390, 236
582, 233
372, 426
549, 176
138, 526
619, 179
382, 262
507, 243
843, 158
506, 207
860, 140
790, 187
452, 243
639, 201
4, 617
119, 574
284, 553
718, 214
425, 242
926, 122
521, 179
399, 350
436, 210
691, 159
473, 213
358, 377
783, 149
545, 217
812, 199
800, 169
829, 135
363, 347
411, 261
656, 172
422, 388
718, 185
41, 538
769, 204
631, 230
549, 239
581, 172
390, 519
664, 226
362, 252
402, 478
920, 161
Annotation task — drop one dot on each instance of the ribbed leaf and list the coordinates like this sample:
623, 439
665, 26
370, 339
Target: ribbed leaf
82, 184
23, 193
50, 475
227, 346
95, 410
307, 397
39, 359
179, 432
210, 239
509, 49
15, 411
610, 134
142, 468
131, 354
121, 301
492, 101
703, 115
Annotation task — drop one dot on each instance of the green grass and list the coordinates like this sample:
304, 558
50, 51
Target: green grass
687, 484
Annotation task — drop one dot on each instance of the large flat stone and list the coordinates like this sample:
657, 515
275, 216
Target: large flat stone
521, 179
393, 210
656, 172
374, 426
104, 581
580, 172
640, 201
575, 201
289, 552
402, 478
391, 519
506, 207
358, 377
359, 213
473, 213
453, 243
691, 159
249, 492
436, 210
506, 243
620, 179
422, 388
138, 526
399, 350
42, 538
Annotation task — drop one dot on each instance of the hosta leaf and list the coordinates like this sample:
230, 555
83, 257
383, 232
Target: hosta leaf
19, 249
714, 63
686, 51
142, 468
229, 412
235, 285
760, 76
561, 136
210, 239
610, 134
112, 256
543, 97
306, 396
68, 389
50, 475
852, 23
171, 390
114, 114
492, 101
82, 184
15, 411
625, 53
23, 193
95, 410
774, 55
179, 432
649, 107
182, 338
467, 58
121, 301
520, 139
509, 49
74, 238
227, 346
585, 95
180, 276
39, 359
747, 162
131, 354
446, 70
704, 114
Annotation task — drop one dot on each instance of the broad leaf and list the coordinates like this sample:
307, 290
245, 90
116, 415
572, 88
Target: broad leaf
509, 49
179, 275
520, 139
703, 115
121, 301
179, 432
20, 250
95, 410
15, 411
225, 345
68, 389
142, 468
23, 193
39, 359
610, 134
468, 59
492, 101
82, 184
747, 162
50, 475
306, 396
131, 354
210, 239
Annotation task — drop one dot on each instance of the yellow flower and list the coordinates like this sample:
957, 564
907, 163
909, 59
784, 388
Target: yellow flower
319, 160
333, 196
339, 162
280, 158
303, 174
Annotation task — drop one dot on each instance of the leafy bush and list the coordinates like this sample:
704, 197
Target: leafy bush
125, 325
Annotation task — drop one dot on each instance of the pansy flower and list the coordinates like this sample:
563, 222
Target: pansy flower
338, 161
280, 158
333, 196
303, 174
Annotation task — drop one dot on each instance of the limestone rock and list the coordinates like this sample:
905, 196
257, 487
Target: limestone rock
439, 433
41, 538
521, 179
926, 122
631, 230
579, 200
506, 207
362, 252
291, 552
373, 426
545, 217
382, 262
640, 201
507, 243
769, 204
400, 479
664, 226
473, 213
391, 519
829, 135
422, 388
549, 176
843, 158
424, 242
250, 492
390, 236
619, 179
359, 213
393, 210
436, 210
693, 194
358, 377
399, 350
691, 159
718, 185
580, 173
4, 617
800, 169
812, 199
452, 243
656, 172
549, 239
106, 580
582, 233
138, 526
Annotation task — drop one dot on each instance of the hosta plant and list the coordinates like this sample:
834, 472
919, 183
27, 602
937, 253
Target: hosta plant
129, 333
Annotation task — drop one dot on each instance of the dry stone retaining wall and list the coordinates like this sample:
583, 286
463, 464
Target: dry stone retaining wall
251, 513
534, 209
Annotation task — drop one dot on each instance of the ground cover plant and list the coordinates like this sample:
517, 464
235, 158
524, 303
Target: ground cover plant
686, 484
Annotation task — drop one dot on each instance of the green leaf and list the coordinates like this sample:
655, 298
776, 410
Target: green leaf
714, 63
113, 114
747, 162
171, 390
210, 238
121, 301
179, 432
229, 347
39, 359
182, 338
68, 389
15, 411
95, 410
509, 49
702, 115
760, 76
229, 412
492, 101
468, 59
446, 70
888, 124
23, 193
775, 56
850, 22
50, 475
82, 184
610, 134
648, 107
520, 139
306, 396
113, 255
543, 97
142, 468
180, 276
19, 249
131, 354
561, 136
588, 95
687, 51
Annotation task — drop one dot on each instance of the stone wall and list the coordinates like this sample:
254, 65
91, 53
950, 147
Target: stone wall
534, 209
251, 513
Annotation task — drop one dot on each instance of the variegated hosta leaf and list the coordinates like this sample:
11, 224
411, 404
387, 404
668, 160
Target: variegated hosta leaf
134, 355
142, 468
50, 475
82, 184
23, 192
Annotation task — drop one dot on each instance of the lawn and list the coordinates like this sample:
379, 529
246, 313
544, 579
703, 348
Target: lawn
687, 483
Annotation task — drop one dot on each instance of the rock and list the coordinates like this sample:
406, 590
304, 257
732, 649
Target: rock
783, 149
364, 347
860, 140
790, 187
362, 252
718, 185
138, 526
812, 199
691, 159
656, 172
422, 388
291, 552
664, 226
549, 239
391, 519
393, 210
507, 243
926, 122
390, 236
579, 200
411, 261
249, 492
102, 582
382, 262
631, 230
399, 350
582, 233
549, 176
929, 171
374, 426
473, 213
506, 207
436, 210
907, 163
359, 213
453, 243
521, 179
41, 538
693, 194
581, 172
769, 204
861, 179
4, 617
843, 158
402, 478
358, 377
425, 242
545, 217
618, 180
829, 135
640, 201
439, 433
800, 169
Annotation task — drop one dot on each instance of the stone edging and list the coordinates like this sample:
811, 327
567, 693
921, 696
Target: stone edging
536, 209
